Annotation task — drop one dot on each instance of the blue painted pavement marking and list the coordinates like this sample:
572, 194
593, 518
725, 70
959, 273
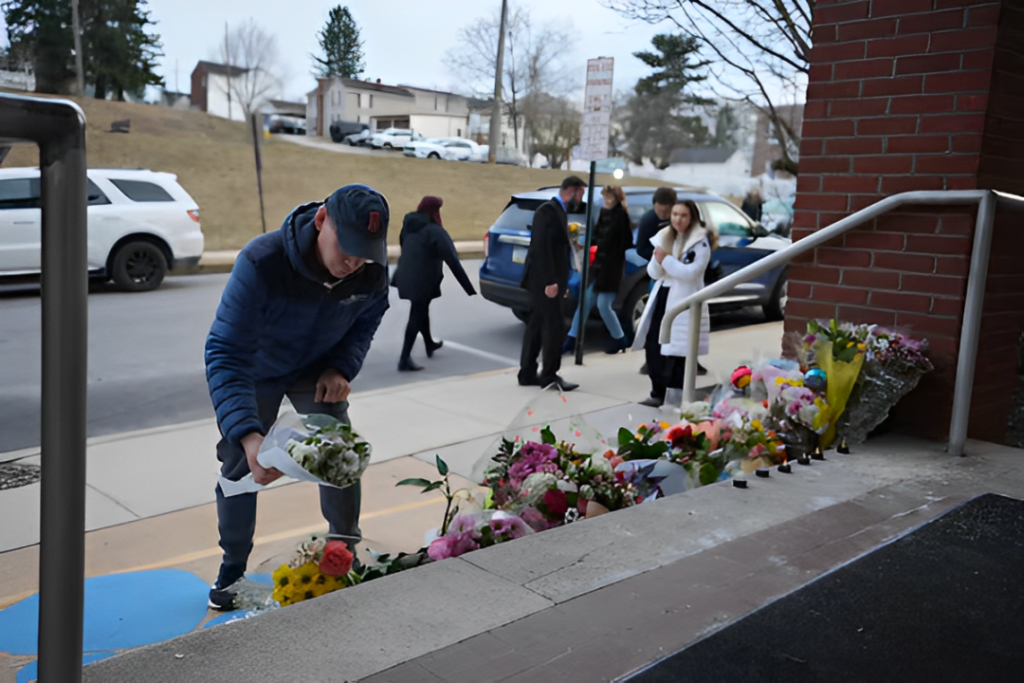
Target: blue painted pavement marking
121, 611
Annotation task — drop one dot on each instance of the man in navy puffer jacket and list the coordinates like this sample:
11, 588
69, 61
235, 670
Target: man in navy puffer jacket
296, 318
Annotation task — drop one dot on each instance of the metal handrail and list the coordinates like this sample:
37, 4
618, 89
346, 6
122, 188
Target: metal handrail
973, 303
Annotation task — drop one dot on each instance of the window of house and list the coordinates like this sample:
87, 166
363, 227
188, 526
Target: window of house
19, 193
371, 102
435, 104
458, 132
359, 100
141, 191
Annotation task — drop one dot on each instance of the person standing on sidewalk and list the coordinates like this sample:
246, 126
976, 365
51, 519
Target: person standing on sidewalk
546, 279
296, 319
682, 253
653, 220
426, 245
613, 236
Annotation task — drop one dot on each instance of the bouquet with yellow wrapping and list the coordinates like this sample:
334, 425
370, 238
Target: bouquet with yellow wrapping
838, 350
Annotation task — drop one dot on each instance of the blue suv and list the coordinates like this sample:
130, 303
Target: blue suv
741, 242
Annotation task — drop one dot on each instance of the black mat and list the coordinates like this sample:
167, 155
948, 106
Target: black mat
944, 603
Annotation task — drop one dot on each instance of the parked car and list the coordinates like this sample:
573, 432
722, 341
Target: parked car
141, 224
339, 130
393, 138
360, 139
450, 149
292, 125
741, 242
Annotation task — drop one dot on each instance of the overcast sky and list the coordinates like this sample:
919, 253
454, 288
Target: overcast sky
404, 40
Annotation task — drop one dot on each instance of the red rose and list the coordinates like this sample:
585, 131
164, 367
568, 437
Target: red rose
337, 559
556, 503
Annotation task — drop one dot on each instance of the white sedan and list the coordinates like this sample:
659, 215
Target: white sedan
450, 149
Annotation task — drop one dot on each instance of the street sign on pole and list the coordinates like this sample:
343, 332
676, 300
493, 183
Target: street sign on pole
597, 120
597, 109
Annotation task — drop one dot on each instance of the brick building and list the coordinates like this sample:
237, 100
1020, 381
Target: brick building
916, 95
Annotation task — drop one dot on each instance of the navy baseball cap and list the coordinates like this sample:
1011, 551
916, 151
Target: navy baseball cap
360, 215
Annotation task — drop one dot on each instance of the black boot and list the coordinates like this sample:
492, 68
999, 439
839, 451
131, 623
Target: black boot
407, 365
617, 345
433, 346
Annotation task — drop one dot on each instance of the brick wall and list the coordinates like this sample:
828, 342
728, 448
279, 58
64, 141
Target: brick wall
908, 95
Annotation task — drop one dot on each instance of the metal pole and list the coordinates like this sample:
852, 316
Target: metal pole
495, 133
76, 26
970, 330
585, 280
693, 347
259, 166
58, 127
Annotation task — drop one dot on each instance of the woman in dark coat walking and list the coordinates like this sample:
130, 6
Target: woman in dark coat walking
425, 245
613, 236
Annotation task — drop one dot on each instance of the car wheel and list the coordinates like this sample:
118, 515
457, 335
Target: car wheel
138, 267
633, 309
387, 145
521, 314
775, 309
433, 155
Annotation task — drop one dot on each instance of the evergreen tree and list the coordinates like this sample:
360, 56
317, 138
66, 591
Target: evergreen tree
726, 127
40, 30
659, 117
118, 55
341, 46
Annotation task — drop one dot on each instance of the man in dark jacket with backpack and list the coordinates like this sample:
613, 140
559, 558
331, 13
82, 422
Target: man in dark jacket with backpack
546, 278
296, 318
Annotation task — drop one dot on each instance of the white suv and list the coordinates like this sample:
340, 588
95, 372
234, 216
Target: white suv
393, 138
141, 224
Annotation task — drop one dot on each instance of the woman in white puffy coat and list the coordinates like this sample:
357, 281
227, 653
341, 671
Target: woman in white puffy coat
682, 252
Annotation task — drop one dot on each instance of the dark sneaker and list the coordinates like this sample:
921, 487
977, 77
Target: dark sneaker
222, 599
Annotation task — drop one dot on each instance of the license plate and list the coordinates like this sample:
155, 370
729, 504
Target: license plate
519, 254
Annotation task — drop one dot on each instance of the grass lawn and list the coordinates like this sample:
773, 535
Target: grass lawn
213, 159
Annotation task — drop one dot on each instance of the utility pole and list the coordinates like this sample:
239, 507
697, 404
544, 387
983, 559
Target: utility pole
76, 26
496, 104
228, 59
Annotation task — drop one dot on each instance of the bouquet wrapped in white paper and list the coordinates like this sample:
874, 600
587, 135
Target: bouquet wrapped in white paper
315, 448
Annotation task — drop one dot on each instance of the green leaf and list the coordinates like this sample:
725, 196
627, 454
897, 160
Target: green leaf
432, 486
708, 474
416, 481
442, 466
547, 436
625, 436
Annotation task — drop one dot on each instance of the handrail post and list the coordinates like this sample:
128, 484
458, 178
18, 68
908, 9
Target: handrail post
58, 127
693, 348
970, 329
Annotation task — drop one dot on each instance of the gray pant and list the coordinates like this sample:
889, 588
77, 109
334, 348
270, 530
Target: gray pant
236, 515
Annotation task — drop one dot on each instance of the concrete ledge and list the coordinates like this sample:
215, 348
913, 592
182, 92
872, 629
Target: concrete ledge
222, 261
822, 515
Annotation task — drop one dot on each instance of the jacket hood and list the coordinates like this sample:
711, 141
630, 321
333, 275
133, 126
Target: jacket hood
666, 239
414, 222
300, 234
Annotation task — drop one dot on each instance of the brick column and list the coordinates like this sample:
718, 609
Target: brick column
915, 95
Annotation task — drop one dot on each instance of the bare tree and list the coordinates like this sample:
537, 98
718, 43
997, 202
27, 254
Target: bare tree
554, 126
536, 61
250, 53
763, 49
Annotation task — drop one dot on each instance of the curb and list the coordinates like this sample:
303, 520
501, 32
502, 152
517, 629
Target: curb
224, 261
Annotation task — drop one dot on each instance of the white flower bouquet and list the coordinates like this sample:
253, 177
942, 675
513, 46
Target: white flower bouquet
315, 448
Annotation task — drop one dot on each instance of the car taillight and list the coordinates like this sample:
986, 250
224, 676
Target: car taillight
194, 214
487, 242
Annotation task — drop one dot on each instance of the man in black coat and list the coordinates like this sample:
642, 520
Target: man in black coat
546, 278
654, 220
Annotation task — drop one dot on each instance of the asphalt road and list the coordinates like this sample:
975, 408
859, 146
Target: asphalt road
146, 352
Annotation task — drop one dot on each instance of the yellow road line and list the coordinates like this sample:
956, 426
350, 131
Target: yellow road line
279, 536
6, 601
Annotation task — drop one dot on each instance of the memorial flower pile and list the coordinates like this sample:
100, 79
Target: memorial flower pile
322, 565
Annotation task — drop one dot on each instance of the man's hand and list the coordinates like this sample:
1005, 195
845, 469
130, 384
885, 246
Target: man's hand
659, 254
332, 387
251, 443
551, 291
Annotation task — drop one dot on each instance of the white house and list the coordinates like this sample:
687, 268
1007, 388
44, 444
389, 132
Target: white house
707, 166
225, 91
431, 113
